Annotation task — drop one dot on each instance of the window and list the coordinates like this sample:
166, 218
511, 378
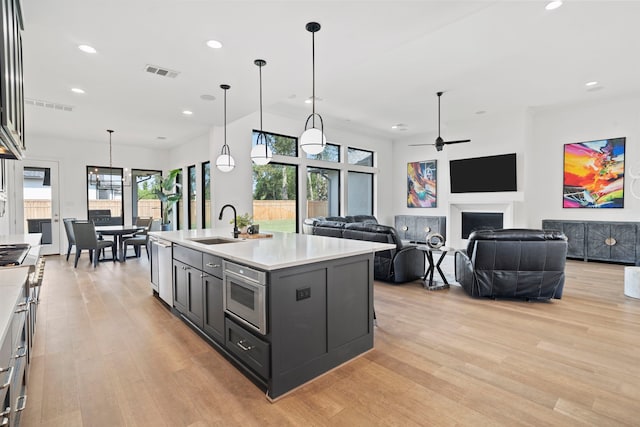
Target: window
179, 213
275, 197
145, 203
191, 190
360, 193
323, 192
206, 194
359, 157
280, 145
331, 153
104, 195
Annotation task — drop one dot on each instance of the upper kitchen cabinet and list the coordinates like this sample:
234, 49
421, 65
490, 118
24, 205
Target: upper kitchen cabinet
11, 87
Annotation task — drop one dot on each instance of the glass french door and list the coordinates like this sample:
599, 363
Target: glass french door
41, 213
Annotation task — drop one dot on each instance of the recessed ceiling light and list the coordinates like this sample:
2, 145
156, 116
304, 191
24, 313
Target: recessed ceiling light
187, 112
394, 127
207, 97
480, 112
553, 5
593, 83
310, 99
86, 48
161, 137
214, 44
77, 90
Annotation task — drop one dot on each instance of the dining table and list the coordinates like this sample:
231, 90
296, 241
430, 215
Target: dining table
119, 232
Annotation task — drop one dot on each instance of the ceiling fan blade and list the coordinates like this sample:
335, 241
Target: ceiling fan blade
456, 142
419, 145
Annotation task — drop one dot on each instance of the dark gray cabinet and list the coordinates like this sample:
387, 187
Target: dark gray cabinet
600, 240
197, 292
415, 228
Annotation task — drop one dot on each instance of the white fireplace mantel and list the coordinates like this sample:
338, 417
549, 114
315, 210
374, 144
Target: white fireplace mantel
479, 202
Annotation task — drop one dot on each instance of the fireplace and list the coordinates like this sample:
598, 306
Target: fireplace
472, 221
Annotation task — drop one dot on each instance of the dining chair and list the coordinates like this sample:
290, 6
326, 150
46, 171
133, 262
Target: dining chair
86, 238
140, 239
68, 228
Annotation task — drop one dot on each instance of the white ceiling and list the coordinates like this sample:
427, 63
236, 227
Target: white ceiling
378, 63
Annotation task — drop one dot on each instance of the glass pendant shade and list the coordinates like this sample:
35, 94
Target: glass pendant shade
313, 141
225, 162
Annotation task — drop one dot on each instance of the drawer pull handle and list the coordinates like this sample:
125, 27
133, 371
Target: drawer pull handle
244, 347
209, 264
202, 276
610, 241
24, 403
21, 310
9, 377
24, 352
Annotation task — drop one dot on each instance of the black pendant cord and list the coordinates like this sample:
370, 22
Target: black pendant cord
260, 69
225, 117
261, 63
313, 78
110, 163
439, 95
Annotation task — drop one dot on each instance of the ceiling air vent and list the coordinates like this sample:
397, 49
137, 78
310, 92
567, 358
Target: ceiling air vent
165, 72
48, 104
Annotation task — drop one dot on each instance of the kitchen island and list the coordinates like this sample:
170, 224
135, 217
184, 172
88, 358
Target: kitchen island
284, 309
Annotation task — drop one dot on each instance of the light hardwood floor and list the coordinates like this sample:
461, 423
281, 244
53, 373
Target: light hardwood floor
107, 353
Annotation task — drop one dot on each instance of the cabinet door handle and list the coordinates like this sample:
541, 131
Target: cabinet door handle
20, 408
202, 276
186, 268
209, 264
7, 383
610, 241
24, 353
244, 347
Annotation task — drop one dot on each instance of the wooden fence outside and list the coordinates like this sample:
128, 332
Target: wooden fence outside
42, 208
285, 209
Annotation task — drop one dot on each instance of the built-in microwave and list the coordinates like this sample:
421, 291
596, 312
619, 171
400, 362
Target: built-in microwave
245, 295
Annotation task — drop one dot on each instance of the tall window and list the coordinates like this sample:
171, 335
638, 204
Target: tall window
145, 203
275, 192
179, 213
360, 193
323, 192
206, 194
104, 195
191, 189
275, 187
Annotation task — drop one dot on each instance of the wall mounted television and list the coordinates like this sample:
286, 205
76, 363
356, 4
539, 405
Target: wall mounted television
483, 174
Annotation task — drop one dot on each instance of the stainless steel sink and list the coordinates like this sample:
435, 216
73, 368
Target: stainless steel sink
214, 240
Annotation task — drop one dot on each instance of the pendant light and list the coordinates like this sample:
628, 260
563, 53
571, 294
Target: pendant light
313, 140
261, 153
225, 162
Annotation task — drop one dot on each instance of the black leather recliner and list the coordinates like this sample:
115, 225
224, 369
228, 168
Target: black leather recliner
405, 263
513, 263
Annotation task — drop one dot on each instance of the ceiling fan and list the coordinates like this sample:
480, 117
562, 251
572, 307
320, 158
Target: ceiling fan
440, 143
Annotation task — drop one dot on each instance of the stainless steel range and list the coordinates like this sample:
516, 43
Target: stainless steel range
13, 254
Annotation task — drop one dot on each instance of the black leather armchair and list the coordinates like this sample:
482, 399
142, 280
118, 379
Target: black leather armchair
405, 263
513, 263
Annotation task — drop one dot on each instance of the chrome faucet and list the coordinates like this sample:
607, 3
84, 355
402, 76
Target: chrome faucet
236, 232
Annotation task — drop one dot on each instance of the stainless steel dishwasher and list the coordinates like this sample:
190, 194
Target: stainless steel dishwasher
161, 279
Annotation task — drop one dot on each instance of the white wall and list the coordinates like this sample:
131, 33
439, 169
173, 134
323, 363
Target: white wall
490, 135
554, 127
72, 158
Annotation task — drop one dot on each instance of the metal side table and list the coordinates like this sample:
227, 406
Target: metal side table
434, 265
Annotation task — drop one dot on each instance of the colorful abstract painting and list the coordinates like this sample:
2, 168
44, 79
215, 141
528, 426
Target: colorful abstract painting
421, 184
594, 174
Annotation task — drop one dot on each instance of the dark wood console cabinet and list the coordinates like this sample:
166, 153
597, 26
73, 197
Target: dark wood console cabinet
600, 240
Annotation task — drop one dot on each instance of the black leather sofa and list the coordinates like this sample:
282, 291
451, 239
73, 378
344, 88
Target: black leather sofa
402, 264
513, 263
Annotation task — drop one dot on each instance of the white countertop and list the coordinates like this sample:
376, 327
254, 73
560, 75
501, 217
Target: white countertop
31, 238
11, 281
281, 251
